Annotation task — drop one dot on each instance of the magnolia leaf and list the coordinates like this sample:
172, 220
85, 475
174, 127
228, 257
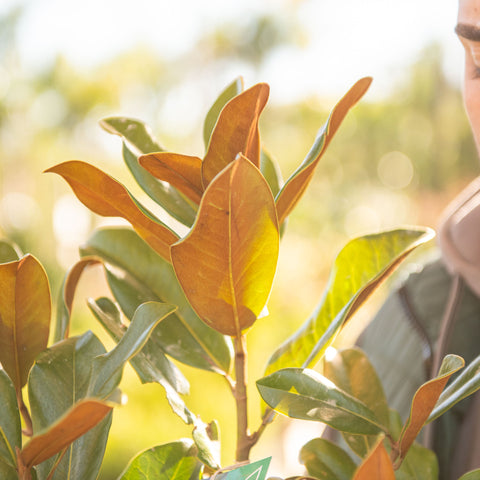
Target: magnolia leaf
424, 400
150, 364
236, 132
135, 132
77, 421
419, 464
107, 368
137, 275
232, 90
307, 395
296, 185
10, 425
184, 172
351, 371
170, 199
377, 465
473, 475
58, 379
137, 140
172, 461
465, 383
109, 198
67, 293
358, 270
9, 252
206, 438
271, 171
323, 459
25, 310
227, 263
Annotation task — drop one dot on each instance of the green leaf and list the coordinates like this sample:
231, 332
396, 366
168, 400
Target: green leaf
473, 475
10, 425
7, 471
150, 364
323, 459
419, 464
135, 132
172, 461
9, 252
107, 368
169, 198
305, 394
138, 139
271, 171
358, 270
136, 275
466, 383
58, 380
232, 90
207, 440
425, 399
25, 310
351, 371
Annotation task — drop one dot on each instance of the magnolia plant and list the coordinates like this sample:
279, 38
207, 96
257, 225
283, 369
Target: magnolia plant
193, 298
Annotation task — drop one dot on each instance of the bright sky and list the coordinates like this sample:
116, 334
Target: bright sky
346, 39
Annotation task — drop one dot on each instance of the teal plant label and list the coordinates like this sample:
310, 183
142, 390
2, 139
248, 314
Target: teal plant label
252, 471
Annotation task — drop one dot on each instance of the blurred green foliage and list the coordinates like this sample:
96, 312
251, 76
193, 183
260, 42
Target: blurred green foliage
392, 162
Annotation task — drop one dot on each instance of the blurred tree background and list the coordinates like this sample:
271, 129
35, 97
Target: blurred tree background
396, 160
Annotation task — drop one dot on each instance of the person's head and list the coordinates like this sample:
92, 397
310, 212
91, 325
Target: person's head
468, 31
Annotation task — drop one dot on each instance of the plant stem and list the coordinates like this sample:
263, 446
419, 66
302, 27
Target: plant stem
244, 443
28, 431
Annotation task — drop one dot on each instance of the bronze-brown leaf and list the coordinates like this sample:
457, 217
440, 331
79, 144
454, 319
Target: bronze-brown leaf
236, 132
105, 196
227, 263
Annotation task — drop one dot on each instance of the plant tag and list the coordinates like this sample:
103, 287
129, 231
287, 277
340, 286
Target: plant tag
252, 471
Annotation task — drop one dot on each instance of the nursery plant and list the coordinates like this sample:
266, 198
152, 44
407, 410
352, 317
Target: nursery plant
191, 299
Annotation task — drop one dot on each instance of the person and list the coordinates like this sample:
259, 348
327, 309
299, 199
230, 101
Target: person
436, 311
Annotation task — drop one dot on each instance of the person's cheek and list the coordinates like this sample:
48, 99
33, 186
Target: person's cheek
472, 105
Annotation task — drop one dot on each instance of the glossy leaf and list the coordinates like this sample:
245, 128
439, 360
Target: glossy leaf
473, 475
271, 171
351, 371
377, 466
184, 172
67, 294
135, 132
137, 275
236, 132
107, 368
232, 90
77, 421
323, 459
109, 198
227, 262
299, 180
207, 441
58, 380
419, 464
10, 425
358, 270
150, 363
25, 310
425, 399
9, 252
305, 394
138, 139
165, 195
172, 461
464, 384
